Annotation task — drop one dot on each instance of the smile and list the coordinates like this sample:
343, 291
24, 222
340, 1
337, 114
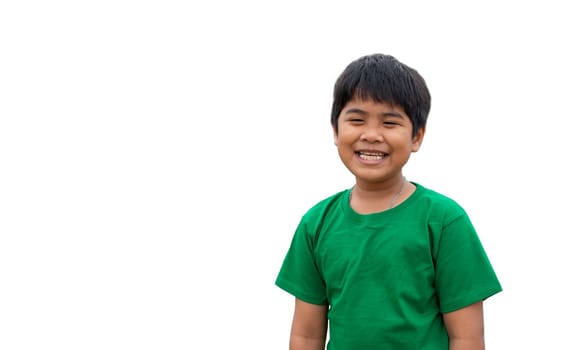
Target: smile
371, 156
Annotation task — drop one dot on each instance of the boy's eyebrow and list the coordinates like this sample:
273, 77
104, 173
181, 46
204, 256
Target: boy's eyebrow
363, 112
355, 110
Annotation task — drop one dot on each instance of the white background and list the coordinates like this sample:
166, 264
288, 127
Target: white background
155, 157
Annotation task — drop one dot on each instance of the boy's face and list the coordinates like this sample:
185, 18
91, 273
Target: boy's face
374, 140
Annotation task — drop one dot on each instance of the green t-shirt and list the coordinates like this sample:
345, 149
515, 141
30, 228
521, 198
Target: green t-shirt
388, 277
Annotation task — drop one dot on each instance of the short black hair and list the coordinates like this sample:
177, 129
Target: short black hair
384, 79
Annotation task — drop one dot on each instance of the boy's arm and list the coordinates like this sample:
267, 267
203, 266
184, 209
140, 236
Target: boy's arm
466, 328
309, 327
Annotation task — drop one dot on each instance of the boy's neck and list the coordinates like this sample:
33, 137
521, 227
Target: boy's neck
366, 200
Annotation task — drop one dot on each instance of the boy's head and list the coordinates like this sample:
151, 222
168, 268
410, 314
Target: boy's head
382, 78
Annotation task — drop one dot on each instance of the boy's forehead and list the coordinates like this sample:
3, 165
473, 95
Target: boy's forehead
368, 102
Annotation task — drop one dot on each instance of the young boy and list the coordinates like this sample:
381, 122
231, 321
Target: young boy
387, 264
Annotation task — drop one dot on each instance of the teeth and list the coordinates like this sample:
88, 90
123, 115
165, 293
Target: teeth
371, 156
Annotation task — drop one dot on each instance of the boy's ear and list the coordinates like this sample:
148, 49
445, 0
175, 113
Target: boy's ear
335, 136
417, 140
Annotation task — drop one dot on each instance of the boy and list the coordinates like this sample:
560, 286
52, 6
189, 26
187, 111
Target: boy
387, 264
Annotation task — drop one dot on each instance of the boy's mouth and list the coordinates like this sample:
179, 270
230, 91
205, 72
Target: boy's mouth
371, 156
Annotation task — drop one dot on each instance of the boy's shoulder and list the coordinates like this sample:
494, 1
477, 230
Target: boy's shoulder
437, 201
433, 195
324, 205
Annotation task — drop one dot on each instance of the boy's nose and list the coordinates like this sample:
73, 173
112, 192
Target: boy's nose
372, 135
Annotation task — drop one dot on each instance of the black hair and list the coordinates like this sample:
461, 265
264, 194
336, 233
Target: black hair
384, 79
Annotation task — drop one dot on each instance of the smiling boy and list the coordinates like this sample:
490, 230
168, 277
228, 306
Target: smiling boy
387, 264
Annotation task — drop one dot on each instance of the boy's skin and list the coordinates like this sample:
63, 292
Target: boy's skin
374, 141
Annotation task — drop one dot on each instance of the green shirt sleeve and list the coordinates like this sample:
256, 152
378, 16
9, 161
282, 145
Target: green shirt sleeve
299, 274
464, 274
